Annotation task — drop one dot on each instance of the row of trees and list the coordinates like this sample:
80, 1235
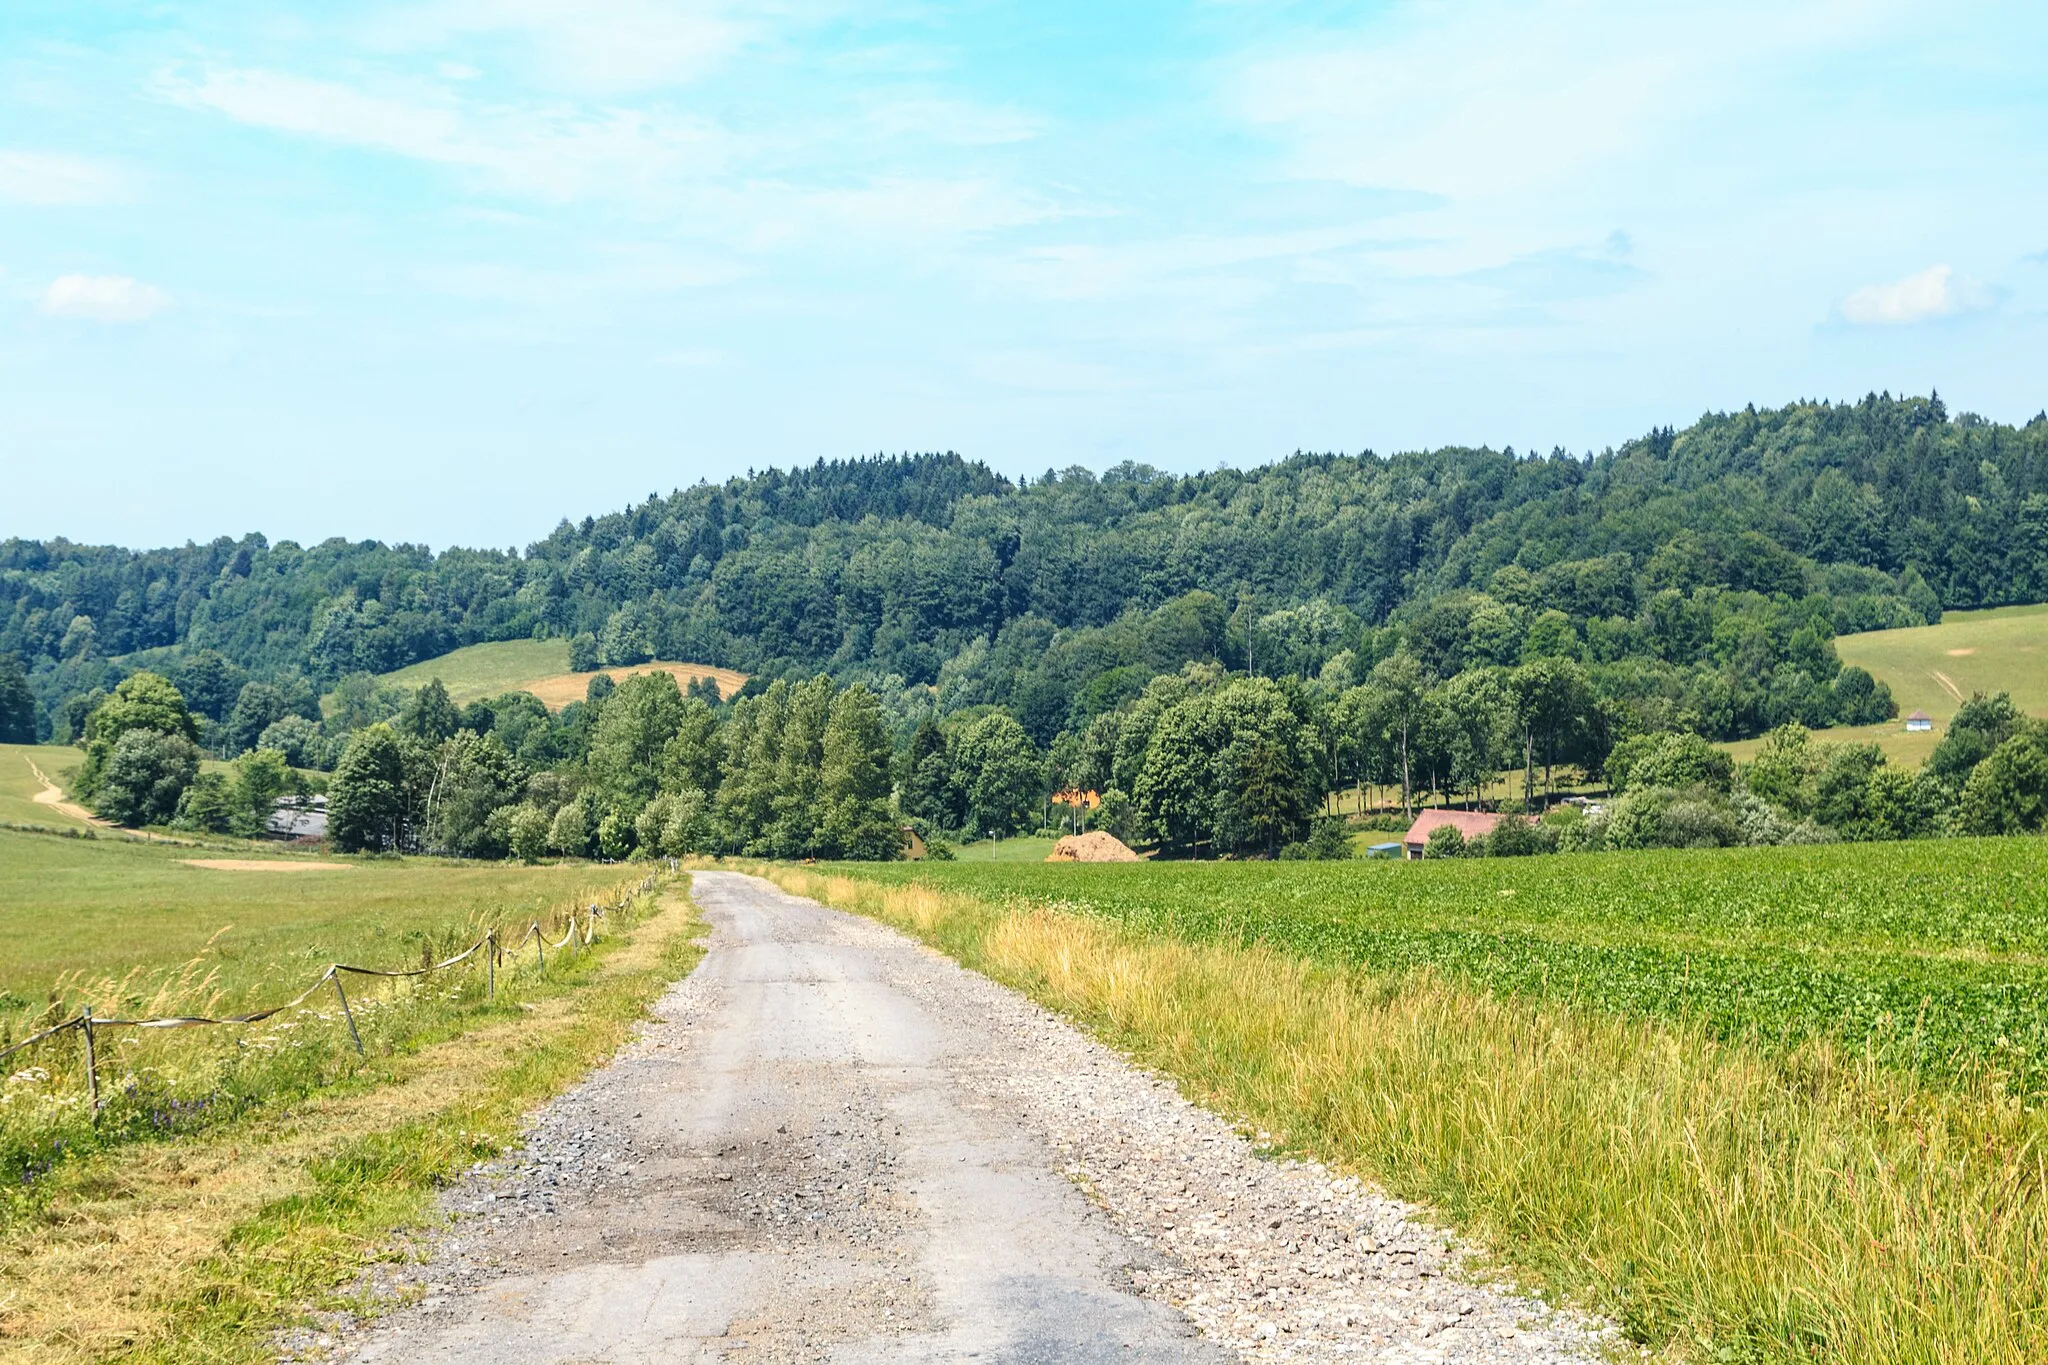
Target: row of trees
800, 770
1200, 762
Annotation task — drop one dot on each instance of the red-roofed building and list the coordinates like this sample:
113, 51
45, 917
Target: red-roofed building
1473, 824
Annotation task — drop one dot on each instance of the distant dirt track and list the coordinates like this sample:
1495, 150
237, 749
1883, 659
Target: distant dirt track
52, 796
263, 865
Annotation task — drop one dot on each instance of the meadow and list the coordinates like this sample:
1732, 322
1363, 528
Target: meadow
19, 785
537, 666
74, 911
1782, 1104
1935, 668
243, 1170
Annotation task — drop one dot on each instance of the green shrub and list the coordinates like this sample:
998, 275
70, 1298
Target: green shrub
1445, 841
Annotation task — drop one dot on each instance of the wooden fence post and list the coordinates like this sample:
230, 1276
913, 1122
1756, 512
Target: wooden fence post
92, 1065
346, 1012
491, 965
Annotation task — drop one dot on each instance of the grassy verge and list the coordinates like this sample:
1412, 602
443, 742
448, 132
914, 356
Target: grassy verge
1726, 1200
192, 1240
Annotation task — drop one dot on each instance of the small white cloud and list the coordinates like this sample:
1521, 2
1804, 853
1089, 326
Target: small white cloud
45, 178
103, 298
1936, 292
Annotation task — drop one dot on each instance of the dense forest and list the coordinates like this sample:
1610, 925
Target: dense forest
1423, 619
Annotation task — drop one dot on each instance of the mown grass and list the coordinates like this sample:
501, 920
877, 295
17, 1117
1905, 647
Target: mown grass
73, 911
196, 1248
2004, 649
1760, 1192
538, 666
1021, 848
130, 930
486, 670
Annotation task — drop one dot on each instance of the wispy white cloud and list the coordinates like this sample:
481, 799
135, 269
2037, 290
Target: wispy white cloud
104, 298
1489, 97
556, 152
49, 178
1936, 292
1560, 273
605, 47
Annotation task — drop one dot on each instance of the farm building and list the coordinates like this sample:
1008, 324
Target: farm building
1919, 720
1473, 824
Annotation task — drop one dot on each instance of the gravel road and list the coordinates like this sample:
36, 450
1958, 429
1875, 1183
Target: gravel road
836, 1145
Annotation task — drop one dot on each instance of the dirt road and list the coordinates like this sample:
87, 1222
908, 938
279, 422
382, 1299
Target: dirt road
836, 1145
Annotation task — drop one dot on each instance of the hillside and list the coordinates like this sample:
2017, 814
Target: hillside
1704, 570
537, 666
1935, 668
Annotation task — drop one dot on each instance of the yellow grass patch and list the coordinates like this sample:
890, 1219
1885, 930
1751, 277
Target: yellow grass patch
558, 690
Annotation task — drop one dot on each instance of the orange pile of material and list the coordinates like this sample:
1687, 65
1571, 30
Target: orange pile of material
1093, 847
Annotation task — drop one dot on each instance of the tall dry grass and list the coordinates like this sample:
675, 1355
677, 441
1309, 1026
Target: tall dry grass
1721, 1203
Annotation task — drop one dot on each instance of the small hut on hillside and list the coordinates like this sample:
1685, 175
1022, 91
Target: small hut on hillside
1919, 720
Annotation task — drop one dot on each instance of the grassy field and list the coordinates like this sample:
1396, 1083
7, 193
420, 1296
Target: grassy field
1021, 849
1765, 1104
77, 910
238, 1172
537, 666
1934, 668
19, 785
1908, 750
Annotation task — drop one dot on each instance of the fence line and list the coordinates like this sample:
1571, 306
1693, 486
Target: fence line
87, 1023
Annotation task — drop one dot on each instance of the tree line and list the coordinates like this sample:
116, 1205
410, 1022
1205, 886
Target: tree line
1684, 563
1199, 762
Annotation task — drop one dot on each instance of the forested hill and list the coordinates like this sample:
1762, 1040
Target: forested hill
1690, 561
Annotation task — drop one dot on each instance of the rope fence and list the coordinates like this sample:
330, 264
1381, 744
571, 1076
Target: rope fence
490, 945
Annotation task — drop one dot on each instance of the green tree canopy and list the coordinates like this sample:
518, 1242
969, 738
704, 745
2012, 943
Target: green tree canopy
366, 801
1003, 773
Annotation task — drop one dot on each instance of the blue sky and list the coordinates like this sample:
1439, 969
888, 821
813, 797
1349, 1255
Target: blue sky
447, 271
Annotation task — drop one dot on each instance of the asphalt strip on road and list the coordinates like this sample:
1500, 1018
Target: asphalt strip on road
834, 1144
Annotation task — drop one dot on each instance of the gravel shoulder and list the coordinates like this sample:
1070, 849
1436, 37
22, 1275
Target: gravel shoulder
833, 1144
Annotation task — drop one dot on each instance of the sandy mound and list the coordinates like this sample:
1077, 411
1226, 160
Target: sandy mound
1093, 847
262, 865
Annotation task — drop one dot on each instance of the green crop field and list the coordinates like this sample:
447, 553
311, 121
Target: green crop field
1932, 955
